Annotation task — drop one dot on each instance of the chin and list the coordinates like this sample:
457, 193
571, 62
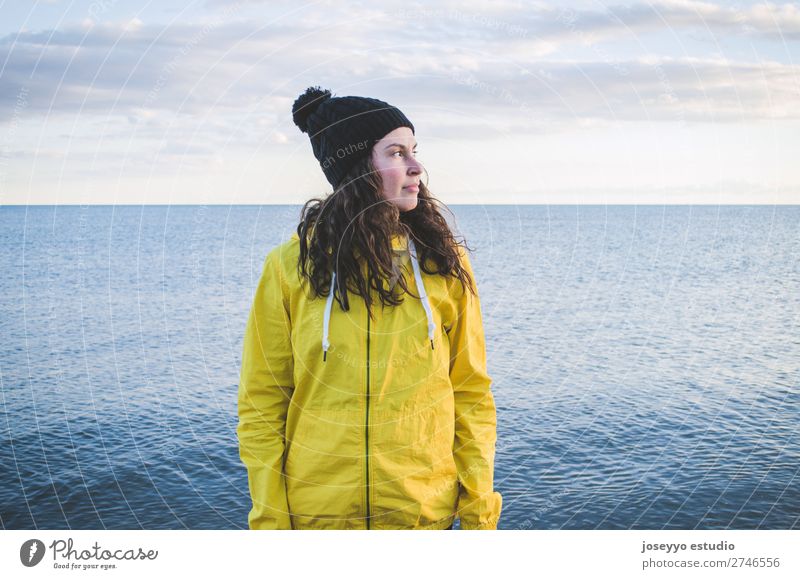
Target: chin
407, 204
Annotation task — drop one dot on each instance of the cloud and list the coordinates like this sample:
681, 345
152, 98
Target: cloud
767, 20
549, 96
487, 71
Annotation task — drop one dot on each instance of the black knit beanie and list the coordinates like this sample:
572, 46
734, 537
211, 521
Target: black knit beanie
344, 129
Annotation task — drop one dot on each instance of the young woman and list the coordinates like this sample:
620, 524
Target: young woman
364, 401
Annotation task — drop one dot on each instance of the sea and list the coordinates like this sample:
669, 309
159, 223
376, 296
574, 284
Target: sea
645, 363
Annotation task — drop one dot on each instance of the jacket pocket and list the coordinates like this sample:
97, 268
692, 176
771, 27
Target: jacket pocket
324, 465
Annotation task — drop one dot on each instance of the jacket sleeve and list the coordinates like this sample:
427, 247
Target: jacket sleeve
265, 390
476, 423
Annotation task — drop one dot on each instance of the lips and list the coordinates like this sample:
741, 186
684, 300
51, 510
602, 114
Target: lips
414, 188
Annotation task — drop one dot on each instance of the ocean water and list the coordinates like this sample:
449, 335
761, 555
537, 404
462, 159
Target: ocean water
646, 363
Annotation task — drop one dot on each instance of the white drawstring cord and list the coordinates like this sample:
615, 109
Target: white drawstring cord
423, 295
327, 319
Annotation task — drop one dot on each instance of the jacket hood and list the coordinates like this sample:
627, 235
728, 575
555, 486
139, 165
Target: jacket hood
400, 243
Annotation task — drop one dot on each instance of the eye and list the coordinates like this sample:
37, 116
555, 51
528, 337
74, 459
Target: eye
414, 152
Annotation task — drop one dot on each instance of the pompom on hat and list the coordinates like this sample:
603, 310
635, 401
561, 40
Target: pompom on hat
343, 130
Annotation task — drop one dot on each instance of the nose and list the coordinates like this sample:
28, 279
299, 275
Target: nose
414, 166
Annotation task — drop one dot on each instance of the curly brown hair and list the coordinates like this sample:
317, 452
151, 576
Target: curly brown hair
354, 224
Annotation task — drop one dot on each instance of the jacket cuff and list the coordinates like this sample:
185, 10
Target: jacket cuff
488, 526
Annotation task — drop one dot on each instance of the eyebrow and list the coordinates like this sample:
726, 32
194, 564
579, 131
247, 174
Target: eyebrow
399, 145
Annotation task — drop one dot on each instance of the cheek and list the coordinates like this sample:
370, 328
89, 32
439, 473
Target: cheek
393, 177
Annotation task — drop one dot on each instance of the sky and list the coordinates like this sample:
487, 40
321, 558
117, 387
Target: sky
516, 102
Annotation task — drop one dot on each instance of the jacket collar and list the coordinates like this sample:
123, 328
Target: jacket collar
399, 242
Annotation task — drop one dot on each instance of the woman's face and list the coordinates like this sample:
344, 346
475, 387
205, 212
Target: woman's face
394, 159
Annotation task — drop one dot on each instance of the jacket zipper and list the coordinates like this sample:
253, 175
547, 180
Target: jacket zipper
366, 426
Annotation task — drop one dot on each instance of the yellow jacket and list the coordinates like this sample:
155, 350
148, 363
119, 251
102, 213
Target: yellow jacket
384, 430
